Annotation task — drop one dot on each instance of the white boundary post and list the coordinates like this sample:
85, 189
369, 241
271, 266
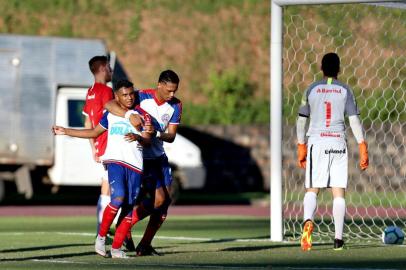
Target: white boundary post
276, 104
276, 123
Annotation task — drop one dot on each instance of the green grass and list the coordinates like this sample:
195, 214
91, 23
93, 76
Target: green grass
372, 255
210, 242
62, 243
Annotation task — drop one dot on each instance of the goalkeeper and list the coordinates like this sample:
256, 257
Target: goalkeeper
325, 155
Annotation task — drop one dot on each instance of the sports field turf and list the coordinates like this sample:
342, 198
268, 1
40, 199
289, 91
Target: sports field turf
187, 242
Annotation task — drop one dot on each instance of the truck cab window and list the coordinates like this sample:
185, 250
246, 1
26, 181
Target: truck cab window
75, 116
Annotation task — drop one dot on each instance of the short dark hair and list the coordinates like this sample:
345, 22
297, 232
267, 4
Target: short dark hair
96, 62
168, 76
121, 84
330, 65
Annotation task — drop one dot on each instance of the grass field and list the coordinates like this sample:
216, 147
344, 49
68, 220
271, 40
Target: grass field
187, 242
206, 242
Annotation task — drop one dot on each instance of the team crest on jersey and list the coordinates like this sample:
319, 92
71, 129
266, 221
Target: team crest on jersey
165, 118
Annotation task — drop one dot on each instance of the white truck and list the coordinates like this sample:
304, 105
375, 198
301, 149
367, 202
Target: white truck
44, 81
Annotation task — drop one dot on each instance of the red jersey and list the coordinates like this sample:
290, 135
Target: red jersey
97, 95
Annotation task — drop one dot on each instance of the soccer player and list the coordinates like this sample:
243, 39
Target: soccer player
325, 155
165, 111
124, 162
96, 97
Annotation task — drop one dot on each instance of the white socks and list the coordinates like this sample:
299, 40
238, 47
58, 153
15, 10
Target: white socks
104, 200
309, 205
339, 215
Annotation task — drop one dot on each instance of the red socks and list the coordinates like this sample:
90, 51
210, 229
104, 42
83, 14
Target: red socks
108, 216
122, 230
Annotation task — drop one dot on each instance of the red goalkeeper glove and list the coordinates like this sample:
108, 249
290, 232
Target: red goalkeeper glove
301, 155
363, 155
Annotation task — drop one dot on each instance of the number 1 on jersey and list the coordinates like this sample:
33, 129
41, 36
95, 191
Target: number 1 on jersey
328, 113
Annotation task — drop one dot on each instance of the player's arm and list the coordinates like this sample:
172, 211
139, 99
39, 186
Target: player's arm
351, 109
135, 119
88, 125
357, 130
168, 136
79, 133
301, 143
304, 113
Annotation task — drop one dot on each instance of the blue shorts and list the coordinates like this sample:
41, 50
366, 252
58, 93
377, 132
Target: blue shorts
157, 173
124, 182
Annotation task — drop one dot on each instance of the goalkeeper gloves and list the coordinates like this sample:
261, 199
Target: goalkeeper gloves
301, 155
363, 155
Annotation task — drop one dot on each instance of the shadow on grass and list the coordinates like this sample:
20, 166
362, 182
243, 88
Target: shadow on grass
43, 248
247, 248
48, 257
225, 240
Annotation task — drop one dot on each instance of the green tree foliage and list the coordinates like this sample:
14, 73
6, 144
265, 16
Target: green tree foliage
230, 101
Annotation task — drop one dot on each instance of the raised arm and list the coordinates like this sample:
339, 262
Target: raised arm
135, 119
79, 133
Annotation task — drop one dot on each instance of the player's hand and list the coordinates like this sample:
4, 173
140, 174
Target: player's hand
136, 120
149, 129
131, 137
363, 155
57, 130
301, 155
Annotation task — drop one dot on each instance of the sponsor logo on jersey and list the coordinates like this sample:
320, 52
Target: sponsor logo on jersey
165, 118
334, 151
121, 128
329, 134
328, 91
91, 96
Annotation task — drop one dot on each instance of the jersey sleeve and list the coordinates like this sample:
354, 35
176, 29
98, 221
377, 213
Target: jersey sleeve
351, 107
304, 109
104, 122
177, 114
86, 109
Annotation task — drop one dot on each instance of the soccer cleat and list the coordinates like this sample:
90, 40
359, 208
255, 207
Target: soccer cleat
143, 250
338, 244
129, 244
100, 245
117, 253
306, 240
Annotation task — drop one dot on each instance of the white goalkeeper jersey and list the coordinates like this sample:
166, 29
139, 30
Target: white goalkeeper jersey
326, 102
118, 150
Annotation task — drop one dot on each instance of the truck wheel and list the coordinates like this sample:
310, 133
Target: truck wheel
176, 186
2, 190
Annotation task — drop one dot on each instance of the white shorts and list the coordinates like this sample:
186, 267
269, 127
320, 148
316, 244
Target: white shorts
327, 165
101, 172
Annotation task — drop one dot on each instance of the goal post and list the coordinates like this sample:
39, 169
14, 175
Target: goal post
341, 43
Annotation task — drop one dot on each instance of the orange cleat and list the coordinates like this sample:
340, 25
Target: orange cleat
306, 241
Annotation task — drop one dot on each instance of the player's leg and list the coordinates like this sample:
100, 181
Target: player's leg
104, 198
339, 178
309, 208
158, 216
339, 216
122, 230
116, 175
133, 185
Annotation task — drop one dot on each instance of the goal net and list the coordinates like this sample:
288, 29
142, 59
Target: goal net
371, 42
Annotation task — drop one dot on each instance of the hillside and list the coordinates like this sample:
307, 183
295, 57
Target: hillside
219, 48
